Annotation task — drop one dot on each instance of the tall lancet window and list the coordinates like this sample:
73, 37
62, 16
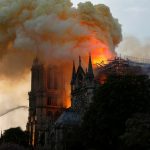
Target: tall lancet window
49, 100
35, 79
50, 78
55, 79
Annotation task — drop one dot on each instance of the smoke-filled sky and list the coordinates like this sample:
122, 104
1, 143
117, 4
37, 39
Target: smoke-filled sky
60, 31
132, 14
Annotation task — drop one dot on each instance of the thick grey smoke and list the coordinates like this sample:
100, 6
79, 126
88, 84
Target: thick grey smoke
55, 28
58, 31
133, 47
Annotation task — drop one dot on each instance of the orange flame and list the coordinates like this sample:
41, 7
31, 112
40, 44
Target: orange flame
67, 103
100, 51
100, 54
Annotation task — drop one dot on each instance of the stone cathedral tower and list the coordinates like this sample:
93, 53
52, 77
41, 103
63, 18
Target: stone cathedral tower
46, 100
83, 85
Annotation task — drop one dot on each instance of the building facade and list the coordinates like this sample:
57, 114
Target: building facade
83, 85
46, 100
48, 119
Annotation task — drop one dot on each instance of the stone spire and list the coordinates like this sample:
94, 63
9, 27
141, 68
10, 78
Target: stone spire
73, 74
80, 69
79, 60
90, 69
36, 61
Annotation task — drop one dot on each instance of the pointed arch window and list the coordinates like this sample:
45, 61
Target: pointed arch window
49, 100
52, 100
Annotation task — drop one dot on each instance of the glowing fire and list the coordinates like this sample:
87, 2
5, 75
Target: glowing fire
100, 54
67, 103
99, 58
100, 51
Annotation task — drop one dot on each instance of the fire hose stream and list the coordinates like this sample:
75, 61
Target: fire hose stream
13, 109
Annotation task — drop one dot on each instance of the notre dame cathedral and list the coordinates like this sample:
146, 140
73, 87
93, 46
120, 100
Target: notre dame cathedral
48, 118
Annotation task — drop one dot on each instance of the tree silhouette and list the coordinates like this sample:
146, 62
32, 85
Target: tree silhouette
15, 136
114, 104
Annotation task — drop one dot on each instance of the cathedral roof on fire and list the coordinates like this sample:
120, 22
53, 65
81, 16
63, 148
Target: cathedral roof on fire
119, 66
68, 118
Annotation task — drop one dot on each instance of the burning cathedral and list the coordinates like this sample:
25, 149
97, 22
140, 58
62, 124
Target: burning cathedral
48, 117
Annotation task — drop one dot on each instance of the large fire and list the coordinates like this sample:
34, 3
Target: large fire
67, 103
100, 55
100, 51
58, 30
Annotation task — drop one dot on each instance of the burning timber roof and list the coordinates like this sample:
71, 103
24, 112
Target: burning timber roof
121, 66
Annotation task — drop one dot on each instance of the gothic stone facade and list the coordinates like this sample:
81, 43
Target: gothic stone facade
48, 120
83, 85
45, 101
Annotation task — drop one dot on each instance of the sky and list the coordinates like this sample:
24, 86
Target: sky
132, 14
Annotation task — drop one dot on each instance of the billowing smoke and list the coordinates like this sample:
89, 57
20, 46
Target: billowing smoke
52, 29
134, 48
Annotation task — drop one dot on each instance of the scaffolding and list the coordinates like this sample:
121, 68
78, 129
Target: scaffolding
120, 66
